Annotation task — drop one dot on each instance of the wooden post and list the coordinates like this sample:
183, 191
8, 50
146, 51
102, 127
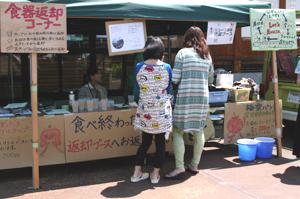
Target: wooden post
35, 133
278, 121
237, 63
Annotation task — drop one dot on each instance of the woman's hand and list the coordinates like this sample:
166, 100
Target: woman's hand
137, 130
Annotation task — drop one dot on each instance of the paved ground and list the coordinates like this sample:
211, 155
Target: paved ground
222, 175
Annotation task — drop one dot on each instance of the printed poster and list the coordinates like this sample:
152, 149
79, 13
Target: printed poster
219, 33
273, 29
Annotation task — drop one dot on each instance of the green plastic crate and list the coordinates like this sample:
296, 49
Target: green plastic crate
284, 89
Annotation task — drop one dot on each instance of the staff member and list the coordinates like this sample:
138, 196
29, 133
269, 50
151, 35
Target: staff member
92, 88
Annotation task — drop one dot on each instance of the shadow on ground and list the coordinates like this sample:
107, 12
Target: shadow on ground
126, 189
15, 182
290, 176
220, 156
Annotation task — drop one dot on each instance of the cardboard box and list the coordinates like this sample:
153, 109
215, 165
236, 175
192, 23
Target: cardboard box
239, 94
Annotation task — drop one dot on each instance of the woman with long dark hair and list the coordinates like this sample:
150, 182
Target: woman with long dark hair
192, 69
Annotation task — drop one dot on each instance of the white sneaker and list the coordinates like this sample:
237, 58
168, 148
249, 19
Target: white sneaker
144, 176
155, 180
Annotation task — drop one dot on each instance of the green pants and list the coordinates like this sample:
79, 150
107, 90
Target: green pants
179, 147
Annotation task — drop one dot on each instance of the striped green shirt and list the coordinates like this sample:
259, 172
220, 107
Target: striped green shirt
191, 73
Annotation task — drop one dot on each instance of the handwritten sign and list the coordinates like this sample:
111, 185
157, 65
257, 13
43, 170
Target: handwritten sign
220, 32
273, 29
70, 138
248, 120
125, 37
15, 143
33, 28
52, 140
91, 136
16, 136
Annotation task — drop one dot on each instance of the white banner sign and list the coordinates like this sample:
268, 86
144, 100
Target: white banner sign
293, 4
33, 28
220, 32
294, 97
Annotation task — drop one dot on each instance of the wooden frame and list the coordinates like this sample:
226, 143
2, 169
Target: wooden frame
107, 24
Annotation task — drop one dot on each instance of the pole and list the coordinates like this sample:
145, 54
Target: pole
11, 72
35, 133
278, 122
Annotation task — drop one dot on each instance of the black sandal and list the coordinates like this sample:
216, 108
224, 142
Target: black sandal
178, 176
193, 172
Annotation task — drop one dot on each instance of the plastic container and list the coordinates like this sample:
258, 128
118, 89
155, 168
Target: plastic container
264, 147
218, 96
247, 149
284, 89
71, 97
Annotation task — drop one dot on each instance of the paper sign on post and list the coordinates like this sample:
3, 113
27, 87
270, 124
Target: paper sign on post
125, 37
220, 32
273, 29
33, 28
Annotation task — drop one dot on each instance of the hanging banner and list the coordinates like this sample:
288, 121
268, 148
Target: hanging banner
33, 28
125, 37
219, 33
273, 29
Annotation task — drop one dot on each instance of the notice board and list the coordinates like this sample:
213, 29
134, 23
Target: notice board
273, 29
33, 27
125, 37
248, 120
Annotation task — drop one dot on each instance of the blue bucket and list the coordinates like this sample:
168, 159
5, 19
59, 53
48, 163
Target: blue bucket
264, 147
247, 149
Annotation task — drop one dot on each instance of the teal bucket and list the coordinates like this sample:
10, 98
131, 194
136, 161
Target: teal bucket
247, 149
264, 147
